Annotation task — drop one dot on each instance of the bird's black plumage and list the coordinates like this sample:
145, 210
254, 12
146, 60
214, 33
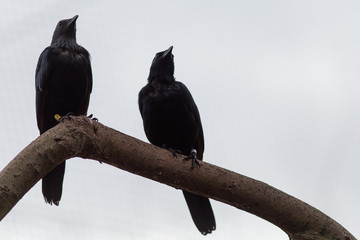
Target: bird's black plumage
171, 118
63, 84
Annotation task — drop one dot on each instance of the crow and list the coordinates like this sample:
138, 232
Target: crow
63, 83
171, 119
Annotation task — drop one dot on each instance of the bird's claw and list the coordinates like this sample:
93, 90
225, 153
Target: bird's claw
173, 151
62, 118
92, 118
193, 158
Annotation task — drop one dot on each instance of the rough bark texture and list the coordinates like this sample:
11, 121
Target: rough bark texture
85, 138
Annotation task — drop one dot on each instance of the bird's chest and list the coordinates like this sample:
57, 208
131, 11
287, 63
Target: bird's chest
68, 81
168, 120
68, 77
166, 108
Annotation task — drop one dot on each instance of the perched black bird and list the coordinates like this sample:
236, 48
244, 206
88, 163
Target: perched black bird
171, 119
63, 84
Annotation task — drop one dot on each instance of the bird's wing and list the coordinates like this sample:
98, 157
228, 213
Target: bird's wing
199, 142
87, 65
142, 94
41, 79
88, 75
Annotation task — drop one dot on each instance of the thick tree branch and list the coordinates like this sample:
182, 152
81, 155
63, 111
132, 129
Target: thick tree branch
82, 137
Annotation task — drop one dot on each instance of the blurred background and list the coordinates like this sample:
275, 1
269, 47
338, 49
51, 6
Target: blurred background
277, 86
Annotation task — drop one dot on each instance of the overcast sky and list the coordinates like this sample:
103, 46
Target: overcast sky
276, 83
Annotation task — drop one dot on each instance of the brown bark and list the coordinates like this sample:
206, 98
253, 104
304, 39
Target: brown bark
85, 138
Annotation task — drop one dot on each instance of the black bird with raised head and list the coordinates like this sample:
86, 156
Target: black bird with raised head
63, 83
171, 118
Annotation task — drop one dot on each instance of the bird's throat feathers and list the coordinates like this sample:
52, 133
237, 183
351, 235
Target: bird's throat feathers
161, 79
68, 43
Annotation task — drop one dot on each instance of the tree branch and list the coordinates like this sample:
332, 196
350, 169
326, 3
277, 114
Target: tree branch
82, 137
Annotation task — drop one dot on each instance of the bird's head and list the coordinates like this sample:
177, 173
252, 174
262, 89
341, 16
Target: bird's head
162, 66
65, 31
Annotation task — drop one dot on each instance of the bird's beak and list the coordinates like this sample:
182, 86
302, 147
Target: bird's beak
72, 20
167, 52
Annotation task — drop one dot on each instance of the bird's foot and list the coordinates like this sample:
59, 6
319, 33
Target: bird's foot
173, 151
92, 118
193, 158
62, 118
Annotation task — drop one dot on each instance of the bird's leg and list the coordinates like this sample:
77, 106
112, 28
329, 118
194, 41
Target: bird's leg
92, 118
173, 151
193, 158
60, 118
69, 114
57, 117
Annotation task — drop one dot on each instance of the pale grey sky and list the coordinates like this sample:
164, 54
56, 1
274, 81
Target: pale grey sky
277, 86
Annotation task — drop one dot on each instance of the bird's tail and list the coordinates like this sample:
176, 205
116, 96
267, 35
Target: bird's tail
201, 212
52, 184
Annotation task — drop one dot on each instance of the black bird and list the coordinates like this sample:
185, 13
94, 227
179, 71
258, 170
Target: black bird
171, 118
63, 83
